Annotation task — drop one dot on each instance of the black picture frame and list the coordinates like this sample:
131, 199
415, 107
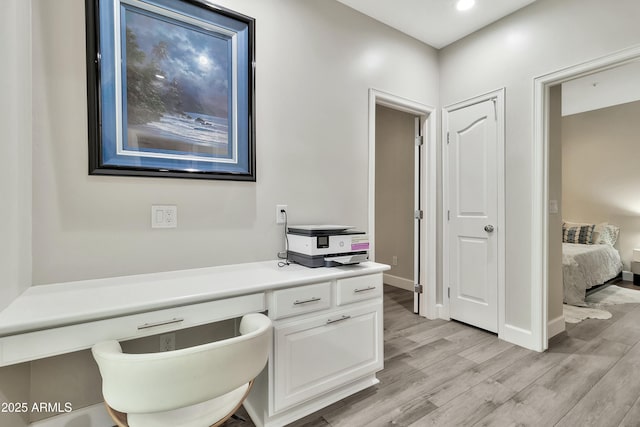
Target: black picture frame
171, 88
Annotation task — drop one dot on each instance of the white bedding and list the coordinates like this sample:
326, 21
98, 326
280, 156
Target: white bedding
585, 266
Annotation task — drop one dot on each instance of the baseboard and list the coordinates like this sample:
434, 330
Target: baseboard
91, 416
398, 282
442, 312
518, 336
627, 276
555, 327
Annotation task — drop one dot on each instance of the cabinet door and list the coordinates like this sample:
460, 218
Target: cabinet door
318, 354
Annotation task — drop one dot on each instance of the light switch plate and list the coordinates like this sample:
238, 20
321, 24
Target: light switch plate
164, 216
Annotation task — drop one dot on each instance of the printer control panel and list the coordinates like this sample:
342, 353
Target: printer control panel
322, 242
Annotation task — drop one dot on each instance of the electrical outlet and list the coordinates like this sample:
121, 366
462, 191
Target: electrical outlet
168, 342
280, 216
394, 260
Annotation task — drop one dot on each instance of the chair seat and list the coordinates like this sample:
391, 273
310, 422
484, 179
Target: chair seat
159, 389
202, 414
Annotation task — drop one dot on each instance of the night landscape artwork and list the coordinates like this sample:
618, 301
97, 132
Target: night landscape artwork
170, 90
177, 81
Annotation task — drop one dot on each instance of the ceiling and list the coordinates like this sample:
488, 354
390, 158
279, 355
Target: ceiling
436, 22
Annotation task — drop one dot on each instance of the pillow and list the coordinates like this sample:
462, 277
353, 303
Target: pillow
595, 236
578, 234
609, 235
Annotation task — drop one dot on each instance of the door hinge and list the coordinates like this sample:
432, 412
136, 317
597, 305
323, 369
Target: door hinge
418, 214
495, 109
417, 288
447, 137
448, 215
449, 293
419, 140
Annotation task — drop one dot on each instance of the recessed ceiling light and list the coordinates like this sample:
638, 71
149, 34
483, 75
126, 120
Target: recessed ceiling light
462, 5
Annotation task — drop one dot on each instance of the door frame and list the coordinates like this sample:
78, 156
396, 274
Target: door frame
428, 187
499, 95
540, 182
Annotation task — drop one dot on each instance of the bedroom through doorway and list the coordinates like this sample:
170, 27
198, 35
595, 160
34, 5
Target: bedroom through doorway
593, 207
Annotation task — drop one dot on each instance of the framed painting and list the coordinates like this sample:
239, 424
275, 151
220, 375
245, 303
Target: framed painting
170, 89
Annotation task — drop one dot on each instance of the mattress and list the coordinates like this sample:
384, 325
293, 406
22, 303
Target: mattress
585, 266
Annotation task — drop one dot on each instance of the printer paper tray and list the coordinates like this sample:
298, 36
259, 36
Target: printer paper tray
348, 259
327, 261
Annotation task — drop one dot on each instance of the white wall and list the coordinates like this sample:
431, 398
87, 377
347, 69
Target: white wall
543, 37
315, 62
15, 182
15, 149
607, 88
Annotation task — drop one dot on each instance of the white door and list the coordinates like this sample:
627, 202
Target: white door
472, 214
418, 216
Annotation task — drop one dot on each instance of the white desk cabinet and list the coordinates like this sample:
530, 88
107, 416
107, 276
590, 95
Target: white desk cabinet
324, 349
327, 324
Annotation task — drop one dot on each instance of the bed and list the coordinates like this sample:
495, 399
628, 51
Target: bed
589, 263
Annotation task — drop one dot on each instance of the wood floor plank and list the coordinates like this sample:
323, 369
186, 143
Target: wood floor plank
632, 418
486, 350
466, 410
384, 407
607, 403
426, 335
397, 369
555, 393
398, 346
626, 329
407, 413
447, 391
432, 353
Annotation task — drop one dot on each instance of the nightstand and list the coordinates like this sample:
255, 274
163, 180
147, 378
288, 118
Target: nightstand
635, 269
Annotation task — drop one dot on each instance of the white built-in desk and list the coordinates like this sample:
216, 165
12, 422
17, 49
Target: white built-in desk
327, 324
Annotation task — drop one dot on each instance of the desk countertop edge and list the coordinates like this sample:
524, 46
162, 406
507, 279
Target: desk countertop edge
26, 313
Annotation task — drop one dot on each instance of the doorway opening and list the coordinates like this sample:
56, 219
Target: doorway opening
541, 194
418, 264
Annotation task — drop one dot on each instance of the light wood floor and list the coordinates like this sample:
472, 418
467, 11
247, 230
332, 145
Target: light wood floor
440, 373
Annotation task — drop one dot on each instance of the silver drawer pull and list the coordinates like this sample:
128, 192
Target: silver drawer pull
370, 288
306, 301
164, 322
329, 321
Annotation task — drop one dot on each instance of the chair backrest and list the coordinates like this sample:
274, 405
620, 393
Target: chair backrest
154, 382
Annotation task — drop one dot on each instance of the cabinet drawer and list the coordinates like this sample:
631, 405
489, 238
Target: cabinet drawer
65, 339
316, 355
299, 300
359, 288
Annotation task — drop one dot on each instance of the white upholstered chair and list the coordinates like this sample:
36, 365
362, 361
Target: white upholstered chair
192, 387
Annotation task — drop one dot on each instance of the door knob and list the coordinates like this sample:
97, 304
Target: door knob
488, 228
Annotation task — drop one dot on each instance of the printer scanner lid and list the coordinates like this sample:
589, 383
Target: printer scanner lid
323, 230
